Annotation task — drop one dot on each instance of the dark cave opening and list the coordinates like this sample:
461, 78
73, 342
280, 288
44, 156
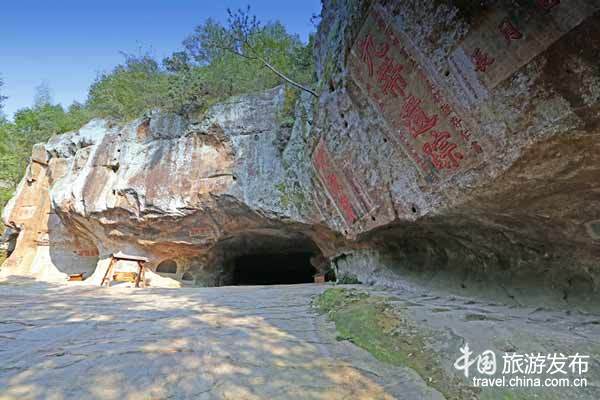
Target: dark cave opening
9, 239
273, 269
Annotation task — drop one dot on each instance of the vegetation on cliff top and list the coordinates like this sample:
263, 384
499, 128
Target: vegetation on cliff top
217, 61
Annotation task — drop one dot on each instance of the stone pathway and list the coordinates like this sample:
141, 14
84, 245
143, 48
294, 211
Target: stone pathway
78, 342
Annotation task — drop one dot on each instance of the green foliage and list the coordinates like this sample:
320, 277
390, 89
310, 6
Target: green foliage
31, 126
38, 124
243, 56
218, 61
287, 114
129, 90
208, 70
187, 91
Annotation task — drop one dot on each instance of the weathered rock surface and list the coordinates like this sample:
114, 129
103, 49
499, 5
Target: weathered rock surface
164, 187
466, 138
453, 142
74, 342
243, 343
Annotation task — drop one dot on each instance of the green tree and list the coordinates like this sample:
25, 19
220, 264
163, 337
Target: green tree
43, 95
12, 162
129, 90
31, 126
248, 50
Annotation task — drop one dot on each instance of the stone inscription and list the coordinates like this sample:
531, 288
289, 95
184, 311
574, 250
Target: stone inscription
426, 126
350, 200
509, 38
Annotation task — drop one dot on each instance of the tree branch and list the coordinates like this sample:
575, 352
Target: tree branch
273, 69
285, 78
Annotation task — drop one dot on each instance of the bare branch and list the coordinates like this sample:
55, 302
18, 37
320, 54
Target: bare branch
285, 78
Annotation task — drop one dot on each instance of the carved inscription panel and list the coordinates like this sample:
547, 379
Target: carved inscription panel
426, 126
507, 39
345, 191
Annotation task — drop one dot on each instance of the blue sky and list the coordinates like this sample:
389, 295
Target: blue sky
67, 43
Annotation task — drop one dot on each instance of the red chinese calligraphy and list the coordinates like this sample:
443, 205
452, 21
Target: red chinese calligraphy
415, 119
509, 30
320, 158
425, 124
368, 50
443, 154
547, 5
390, 78
333, 183
446, 109
466, 135
456, 122
358, 189
337, 192
481, 60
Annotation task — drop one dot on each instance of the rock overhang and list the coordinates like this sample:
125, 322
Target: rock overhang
418, 140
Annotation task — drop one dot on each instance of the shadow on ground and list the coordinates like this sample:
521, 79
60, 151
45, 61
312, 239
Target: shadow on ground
62, 342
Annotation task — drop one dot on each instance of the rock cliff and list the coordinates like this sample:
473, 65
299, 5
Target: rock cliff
453, 143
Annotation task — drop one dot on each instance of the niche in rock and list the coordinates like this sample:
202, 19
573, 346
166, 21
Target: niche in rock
167, 267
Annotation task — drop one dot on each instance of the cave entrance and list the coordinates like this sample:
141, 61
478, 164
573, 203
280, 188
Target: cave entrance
273, 269
268, 257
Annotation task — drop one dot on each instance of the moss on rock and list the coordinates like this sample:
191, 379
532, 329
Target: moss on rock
372, 323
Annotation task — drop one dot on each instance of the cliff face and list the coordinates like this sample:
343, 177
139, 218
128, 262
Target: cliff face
471, 132
452, 143
167, 187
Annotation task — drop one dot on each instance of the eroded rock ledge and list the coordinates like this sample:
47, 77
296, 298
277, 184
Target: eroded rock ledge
451, 144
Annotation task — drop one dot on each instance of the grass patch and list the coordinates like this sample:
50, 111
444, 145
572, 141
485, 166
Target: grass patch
371, 323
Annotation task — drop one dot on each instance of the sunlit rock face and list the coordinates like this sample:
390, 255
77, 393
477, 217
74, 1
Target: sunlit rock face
169, 188
451, 142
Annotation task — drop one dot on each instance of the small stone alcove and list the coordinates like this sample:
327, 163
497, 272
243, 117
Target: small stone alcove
168, 267
10, 241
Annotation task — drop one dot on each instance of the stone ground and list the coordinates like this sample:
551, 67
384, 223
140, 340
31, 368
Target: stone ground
261, 342
59, 342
